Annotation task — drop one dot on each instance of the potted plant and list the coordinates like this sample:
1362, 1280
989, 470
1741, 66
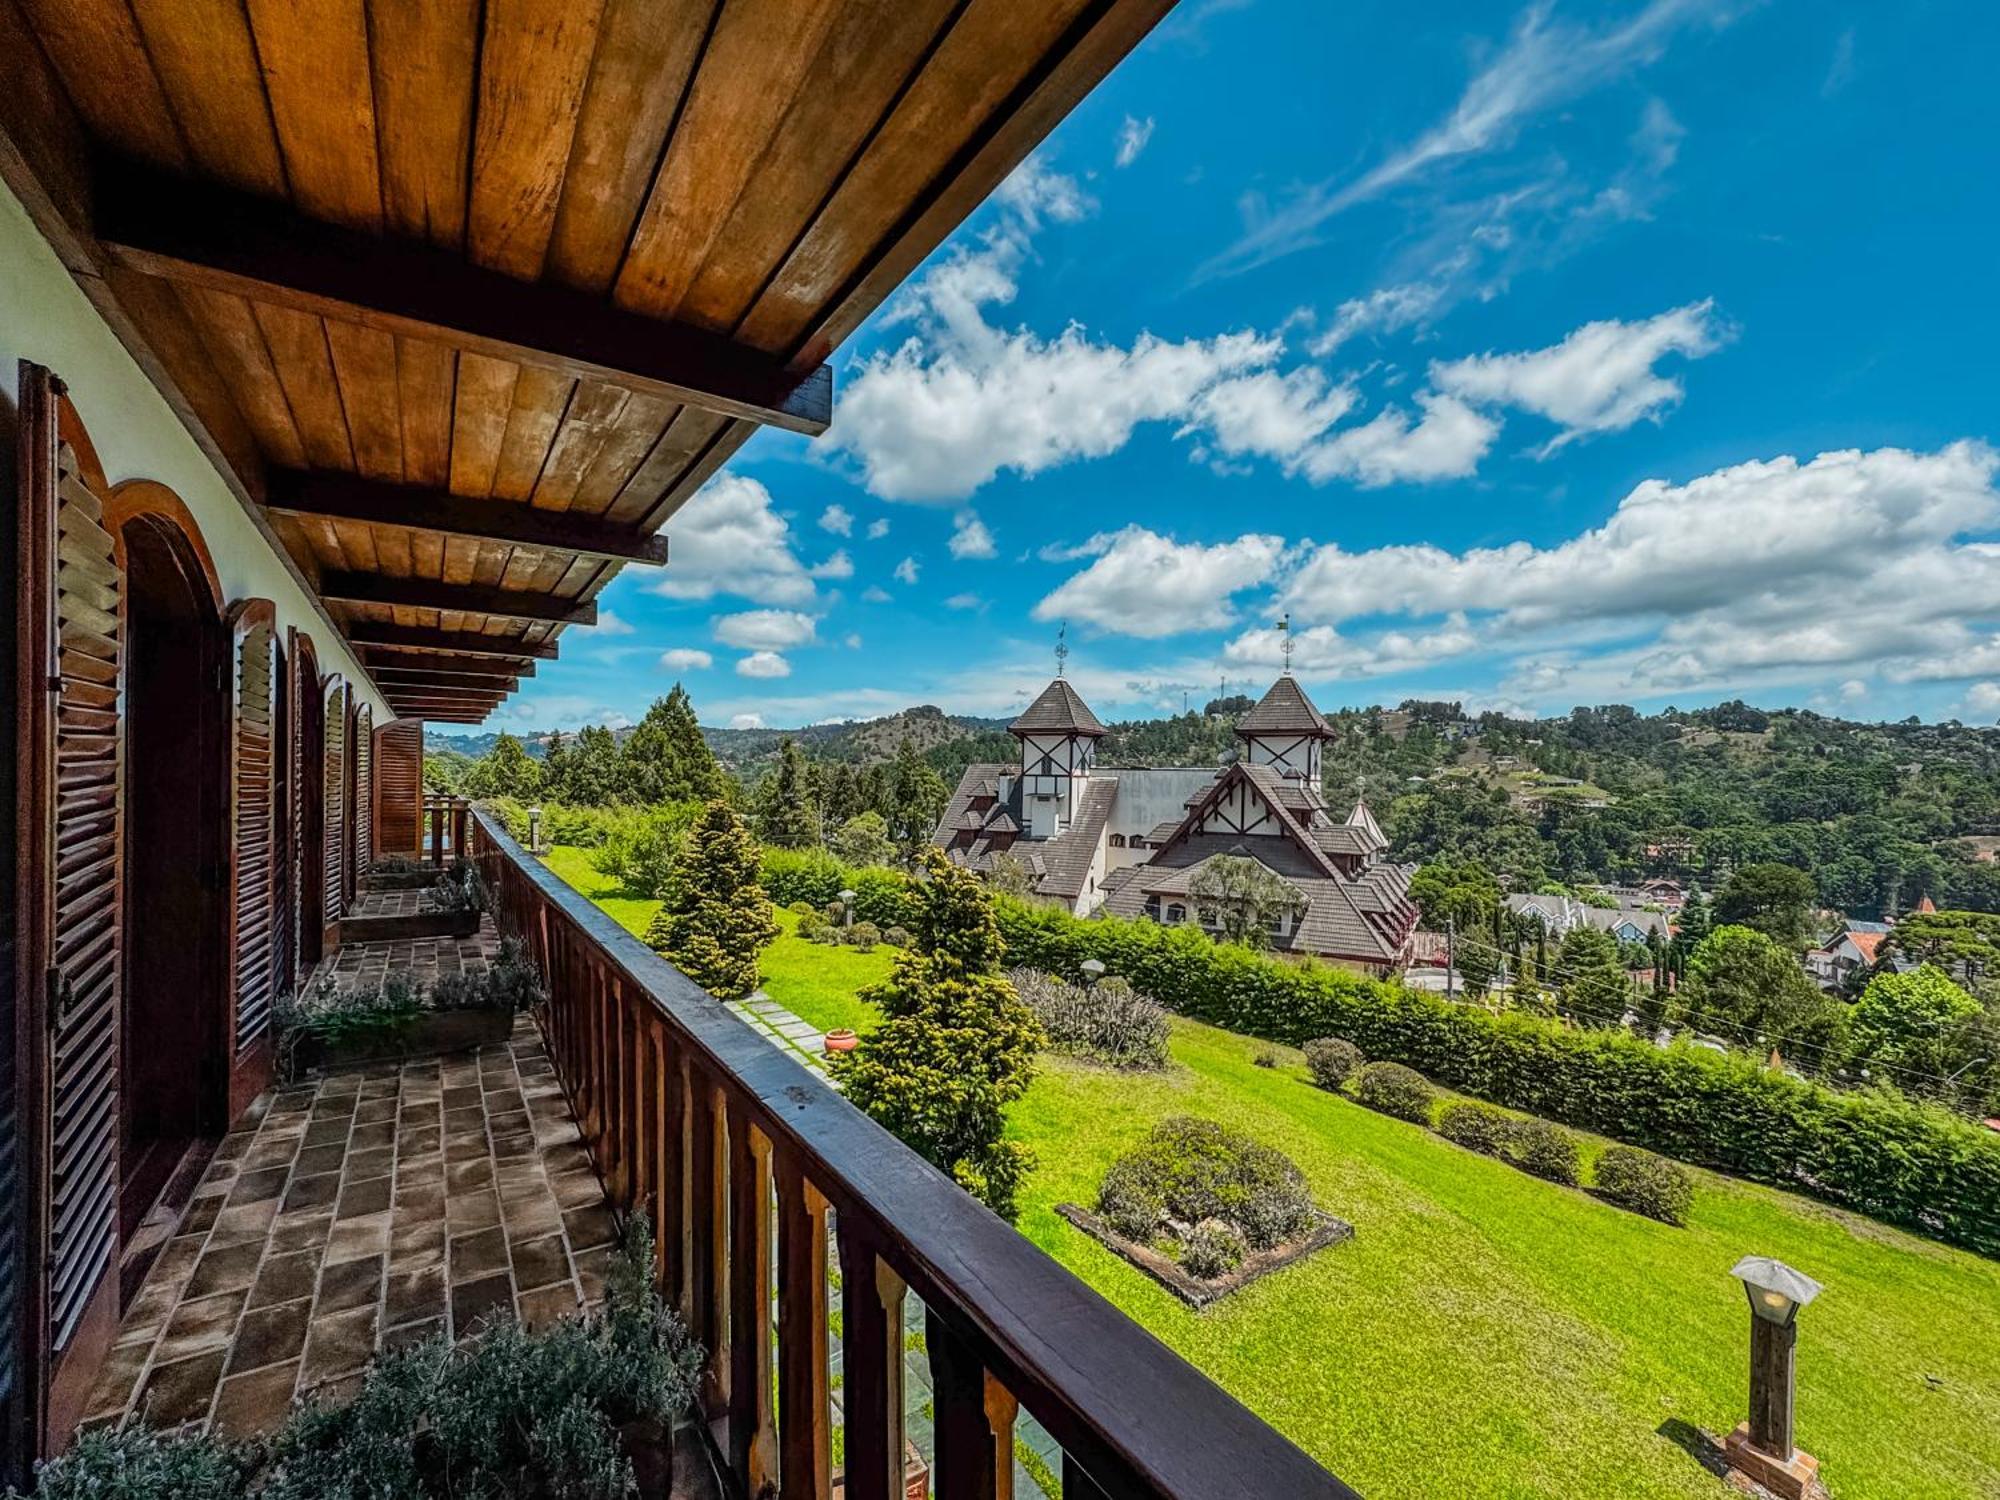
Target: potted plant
841, 1039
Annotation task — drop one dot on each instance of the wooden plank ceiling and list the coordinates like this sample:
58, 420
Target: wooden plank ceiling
467, 299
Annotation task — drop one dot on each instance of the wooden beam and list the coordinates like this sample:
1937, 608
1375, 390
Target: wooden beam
207, 235
456, 642
402, 679
441, 690
348, 497
465, 598
436, 664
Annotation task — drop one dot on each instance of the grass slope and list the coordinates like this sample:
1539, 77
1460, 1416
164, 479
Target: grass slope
1489, 1335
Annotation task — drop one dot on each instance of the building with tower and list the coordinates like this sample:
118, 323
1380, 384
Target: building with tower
1134, 841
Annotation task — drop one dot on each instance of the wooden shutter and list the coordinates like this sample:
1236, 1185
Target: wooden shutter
399, 789
71, 888
335, 781
364, 790
253, 838
284, 905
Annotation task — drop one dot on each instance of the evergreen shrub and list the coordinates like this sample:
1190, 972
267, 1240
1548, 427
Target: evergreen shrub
1332, 1061
1395, 1090
1645, 1183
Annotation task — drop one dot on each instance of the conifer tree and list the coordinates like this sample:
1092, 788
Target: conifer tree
914, 796
863, 840
716, 918
787, 816
956, 1045
555, 769
593, 775
506, 770
665, 759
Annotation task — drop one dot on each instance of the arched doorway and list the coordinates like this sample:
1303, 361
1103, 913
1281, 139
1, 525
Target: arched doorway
308, 735
172, 1050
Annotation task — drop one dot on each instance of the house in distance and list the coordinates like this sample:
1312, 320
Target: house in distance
1134, 841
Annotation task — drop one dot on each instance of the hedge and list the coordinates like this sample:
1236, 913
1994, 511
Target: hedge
1875, 1153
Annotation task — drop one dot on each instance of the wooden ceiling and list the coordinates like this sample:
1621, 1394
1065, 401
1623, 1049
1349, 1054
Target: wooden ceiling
467, 297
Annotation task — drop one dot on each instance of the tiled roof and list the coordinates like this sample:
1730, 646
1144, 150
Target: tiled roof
1060, 865
1058, 711
1285, 709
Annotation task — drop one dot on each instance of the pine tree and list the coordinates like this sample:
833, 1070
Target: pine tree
842, 798
593, 774
665, 759
555, 769
787, 816
955, 1046
863, 840
915, 796
716, 918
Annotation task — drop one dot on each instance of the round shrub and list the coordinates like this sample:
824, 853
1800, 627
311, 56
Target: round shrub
862, 935
805, 911
1395, 1090
1645, 1183
896, 937
1211, 1249
1544, 1150
1332, 1060
824, 935
1266, 1059
1108, 1021
835, 913
1189, 1170
1476, 1127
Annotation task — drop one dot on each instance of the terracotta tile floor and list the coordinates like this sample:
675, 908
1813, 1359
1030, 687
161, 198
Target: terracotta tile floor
359, 964
355, 1212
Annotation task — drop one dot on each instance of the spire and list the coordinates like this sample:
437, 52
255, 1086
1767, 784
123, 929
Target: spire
1364, 820
1287, 643
1284, 710
1062, 647
1059, 710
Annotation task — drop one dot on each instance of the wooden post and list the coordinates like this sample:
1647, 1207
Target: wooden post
871, 1345
1077, 1485
974, 1421
1771, 1347
708, 1226
805, 1437
753, 1453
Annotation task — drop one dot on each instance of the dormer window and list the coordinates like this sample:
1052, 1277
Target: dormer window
1176, 912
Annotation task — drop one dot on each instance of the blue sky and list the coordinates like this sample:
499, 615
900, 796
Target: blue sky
1564, 354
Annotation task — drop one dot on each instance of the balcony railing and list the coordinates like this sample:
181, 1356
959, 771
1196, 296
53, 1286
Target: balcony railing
446, 819
694, 1120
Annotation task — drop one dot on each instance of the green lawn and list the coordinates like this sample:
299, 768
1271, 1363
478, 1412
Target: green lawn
1486, 1334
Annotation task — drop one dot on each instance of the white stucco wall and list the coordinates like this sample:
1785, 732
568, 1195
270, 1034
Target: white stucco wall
45, 317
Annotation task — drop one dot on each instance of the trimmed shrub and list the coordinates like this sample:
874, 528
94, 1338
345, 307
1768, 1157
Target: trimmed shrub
1332, 1061
1540, 1149
835, 913
1266, 1059
1874, 1153
821, 933
862, 935
1189, 1170
897, 937
1109, 1021
1645, 1183
1395, 1090
805, 911
1211, 1249
1477, 1127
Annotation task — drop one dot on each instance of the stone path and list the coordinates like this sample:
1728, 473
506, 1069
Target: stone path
782, 1029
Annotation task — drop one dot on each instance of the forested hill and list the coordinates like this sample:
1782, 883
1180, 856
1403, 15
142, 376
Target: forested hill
1880, 814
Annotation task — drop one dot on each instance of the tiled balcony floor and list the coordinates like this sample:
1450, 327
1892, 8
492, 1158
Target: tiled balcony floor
359, 1211
362, 964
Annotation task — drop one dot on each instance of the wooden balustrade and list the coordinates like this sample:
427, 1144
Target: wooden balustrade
749, 1168
450, 821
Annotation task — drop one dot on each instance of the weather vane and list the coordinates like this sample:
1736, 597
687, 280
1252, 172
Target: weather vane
1286, 644
1062, 647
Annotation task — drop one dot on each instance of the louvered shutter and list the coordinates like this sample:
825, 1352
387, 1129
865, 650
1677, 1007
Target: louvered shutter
334, 846
399, 788
72, 747
284, 907
364, 790
253, 818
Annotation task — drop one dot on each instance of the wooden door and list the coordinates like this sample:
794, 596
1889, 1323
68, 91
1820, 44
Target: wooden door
70, 891
254, 905
333, 846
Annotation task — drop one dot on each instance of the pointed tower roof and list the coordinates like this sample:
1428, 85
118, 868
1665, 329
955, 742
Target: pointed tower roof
1363, 819
1926, 905
1285, 709
1058, 711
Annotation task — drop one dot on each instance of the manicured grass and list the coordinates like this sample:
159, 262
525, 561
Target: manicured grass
1489, 1335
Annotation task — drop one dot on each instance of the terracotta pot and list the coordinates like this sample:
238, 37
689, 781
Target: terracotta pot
840, 1039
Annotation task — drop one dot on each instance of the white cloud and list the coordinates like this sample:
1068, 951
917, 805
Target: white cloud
607, 624
1446, 443
1132, 138
878, 528
1322, 651
1544, 64
1387, 309
765, 629
852, 640
875, 594
1765, 572
763, 664
746, 721
1149, 585
1272, 415
1095, 545
729, 540
840, 565
685, 659
906, 570
837, 519
1598, 379
965, 601
1983, 698
970, 538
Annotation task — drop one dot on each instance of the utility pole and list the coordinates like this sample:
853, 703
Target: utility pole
1450, 958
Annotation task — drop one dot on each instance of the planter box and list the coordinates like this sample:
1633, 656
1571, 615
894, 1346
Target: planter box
422, 924
430, 1034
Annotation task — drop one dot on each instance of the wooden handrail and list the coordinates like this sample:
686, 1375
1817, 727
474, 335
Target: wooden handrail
694, 1119
449, 817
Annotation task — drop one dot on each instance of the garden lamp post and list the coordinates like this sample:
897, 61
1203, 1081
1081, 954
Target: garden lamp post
534, 830
1093, 970
1762, 1447
847, 907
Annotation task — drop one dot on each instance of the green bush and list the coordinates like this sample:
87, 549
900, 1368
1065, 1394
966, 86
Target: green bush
1108, 1021
1332, 1061
1395, 1090
1645, 1183
139, 1462
1874, 1153
1477, 1127
805, 911
897, 937
1540, 1149
1189, 1170
1212, 1248
862, 935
